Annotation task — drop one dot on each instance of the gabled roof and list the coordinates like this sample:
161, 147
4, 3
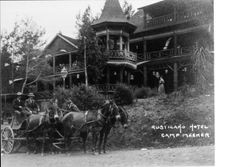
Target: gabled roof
112, 12
61, 43
69, 40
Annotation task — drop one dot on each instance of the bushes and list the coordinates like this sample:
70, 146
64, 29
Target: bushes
155, 111
123, 95
144, 92
86, 98
43, 95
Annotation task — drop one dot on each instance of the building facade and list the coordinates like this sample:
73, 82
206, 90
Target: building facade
158, 40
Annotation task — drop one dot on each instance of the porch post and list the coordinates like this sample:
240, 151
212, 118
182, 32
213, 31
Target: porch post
108, 74
175, 76
128, 44
129, 78
145, 76
107, 41
54, 71
121, 74
120, 42
70, 66
144, 19
175, 45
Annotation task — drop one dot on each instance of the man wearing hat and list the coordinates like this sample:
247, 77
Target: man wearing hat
30, 104
18, 104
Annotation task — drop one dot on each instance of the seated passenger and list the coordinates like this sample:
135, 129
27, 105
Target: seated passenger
30, 104
18, 104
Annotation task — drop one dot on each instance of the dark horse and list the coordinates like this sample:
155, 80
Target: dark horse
108, 126
90, 121
37, 126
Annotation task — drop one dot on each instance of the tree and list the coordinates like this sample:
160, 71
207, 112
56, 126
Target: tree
128, 9
6, 70
203, 68
95, 58
23, 46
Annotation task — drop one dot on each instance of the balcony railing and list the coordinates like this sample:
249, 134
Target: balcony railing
105, 88
74, 67
122, 55
180, 17
169, 53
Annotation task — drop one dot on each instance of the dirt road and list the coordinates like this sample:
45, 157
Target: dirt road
187, 156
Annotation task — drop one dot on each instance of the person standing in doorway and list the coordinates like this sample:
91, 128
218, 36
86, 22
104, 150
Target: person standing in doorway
165, 76
161, 88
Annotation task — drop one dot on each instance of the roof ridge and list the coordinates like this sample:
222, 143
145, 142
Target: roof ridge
67, 40
112, 12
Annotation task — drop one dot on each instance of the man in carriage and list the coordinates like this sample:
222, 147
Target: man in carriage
30, 104
20, 113
18, 104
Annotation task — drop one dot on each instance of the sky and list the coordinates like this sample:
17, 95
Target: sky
54, 16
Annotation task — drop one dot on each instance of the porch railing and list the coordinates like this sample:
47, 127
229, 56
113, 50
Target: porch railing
122, 55
169, 53
73, 68
182, 16
105, 88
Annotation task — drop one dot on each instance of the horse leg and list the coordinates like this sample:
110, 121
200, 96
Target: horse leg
106, 133
43, 142
67, 143
100, 141
84, 138
94, 142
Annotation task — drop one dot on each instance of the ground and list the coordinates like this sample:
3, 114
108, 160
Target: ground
139, 135
187, 156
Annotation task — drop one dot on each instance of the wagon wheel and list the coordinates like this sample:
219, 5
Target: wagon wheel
7, 137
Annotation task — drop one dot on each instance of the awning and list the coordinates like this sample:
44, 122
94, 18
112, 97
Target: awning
125, 63
141, 63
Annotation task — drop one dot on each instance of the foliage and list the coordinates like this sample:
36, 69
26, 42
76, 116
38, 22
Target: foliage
95, 57
43, 95
203, 68
22, 44
159, 110
144, 92
123, 95
6, 69
128, 9
86, 98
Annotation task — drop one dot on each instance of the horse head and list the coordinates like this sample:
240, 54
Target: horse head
53, 112
109, 111
124, 117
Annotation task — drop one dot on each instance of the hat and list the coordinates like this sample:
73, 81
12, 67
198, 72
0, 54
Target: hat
31, 95
19, 93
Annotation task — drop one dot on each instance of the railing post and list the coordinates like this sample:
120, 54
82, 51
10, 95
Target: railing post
108, 75
175, 76
54, 71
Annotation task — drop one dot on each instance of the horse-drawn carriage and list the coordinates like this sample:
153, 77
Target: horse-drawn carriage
56, 129
16, 132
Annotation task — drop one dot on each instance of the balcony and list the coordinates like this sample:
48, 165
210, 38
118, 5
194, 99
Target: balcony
122, 55
76, 66
169, 53
180, 17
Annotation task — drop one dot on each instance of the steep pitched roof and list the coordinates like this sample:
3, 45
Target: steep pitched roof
138, 20
112, 12
71, 40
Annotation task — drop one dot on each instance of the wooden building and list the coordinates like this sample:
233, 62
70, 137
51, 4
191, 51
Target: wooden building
156, 41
